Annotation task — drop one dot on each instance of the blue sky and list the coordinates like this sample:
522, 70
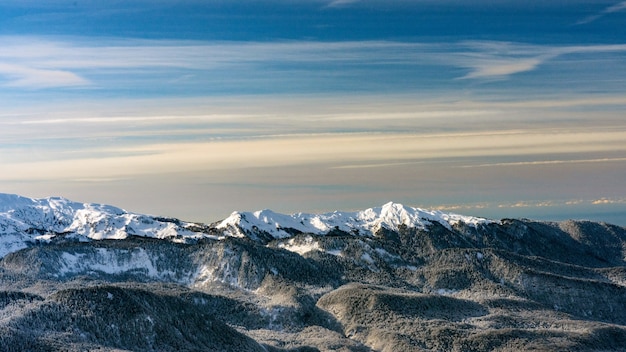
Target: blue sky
193, 109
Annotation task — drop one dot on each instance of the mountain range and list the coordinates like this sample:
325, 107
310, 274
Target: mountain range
76, 277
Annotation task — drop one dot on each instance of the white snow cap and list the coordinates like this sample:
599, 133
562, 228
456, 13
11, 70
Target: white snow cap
365, 222
24, 220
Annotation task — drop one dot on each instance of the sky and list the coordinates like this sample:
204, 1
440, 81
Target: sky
194, 109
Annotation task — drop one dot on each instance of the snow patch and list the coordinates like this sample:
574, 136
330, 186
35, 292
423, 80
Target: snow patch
445, 292
335, 252
384, 254
45, 238
224, 273
204, 275
10, 243
308, 245
367, 258
114, 262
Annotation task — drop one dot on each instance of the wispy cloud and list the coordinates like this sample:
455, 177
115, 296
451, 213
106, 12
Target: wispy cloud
29, 62
29, 77
547, 162
333, 149
340, 3
532, 204
379, 165
620, 6
499, 68
500, 60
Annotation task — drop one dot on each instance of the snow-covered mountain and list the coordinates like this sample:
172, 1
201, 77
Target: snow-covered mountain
389, 278
25, 220
390, 216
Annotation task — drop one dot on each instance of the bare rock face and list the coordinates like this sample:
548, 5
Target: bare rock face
76, 277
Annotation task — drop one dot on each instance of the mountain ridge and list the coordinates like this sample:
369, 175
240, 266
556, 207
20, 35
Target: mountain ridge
408, 280
366, 222
29, 220
45, 218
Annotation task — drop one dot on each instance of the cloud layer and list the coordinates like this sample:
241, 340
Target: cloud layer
463, 122
261, 66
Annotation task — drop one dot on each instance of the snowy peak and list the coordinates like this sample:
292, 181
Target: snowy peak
392, 215
366, 222
56, 214
25, 220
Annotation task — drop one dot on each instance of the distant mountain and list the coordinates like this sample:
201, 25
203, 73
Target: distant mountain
390, 216
25, 220
77, 276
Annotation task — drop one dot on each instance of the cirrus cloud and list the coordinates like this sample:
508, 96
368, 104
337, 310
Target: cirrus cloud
620, 6
28, 62
29, 77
